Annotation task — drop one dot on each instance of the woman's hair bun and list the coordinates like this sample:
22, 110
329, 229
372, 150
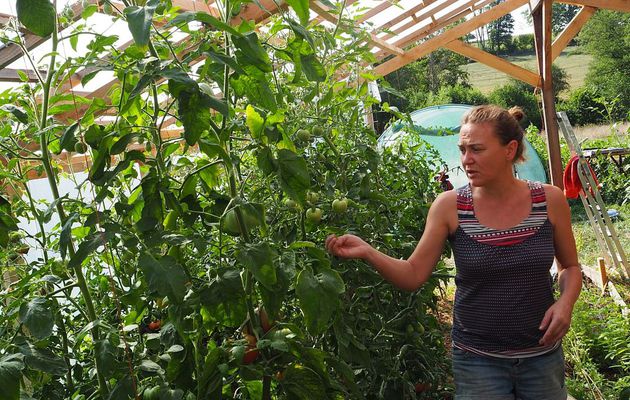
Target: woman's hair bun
517, 113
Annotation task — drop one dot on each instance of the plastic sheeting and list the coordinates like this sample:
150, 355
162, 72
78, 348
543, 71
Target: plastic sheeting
439, 126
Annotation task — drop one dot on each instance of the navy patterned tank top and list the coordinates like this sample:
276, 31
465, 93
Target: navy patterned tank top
503, 282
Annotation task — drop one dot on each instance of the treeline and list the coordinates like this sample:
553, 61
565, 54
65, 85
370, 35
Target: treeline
439, 77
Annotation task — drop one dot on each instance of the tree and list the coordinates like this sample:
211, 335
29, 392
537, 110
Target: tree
427, 75
561, 15
607, 37
500, 32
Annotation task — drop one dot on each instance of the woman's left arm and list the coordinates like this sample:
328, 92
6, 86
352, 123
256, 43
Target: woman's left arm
557, 320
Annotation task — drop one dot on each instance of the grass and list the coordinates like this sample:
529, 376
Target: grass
571, 60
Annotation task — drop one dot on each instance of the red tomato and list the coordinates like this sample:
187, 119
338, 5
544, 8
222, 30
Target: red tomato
155, 325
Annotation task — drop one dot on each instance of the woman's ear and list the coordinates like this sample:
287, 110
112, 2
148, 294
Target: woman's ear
511, 149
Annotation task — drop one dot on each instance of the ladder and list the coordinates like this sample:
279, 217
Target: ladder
596, 211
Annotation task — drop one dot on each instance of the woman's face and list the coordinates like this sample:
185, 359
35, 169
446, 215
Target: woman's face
483, 155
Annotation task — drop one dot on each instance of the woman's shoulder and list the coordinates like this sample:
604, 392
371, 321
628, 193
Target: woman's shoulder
553, 193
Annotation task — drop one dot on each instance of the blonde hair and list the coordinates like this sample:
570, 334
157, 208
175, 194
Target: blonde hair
506, 124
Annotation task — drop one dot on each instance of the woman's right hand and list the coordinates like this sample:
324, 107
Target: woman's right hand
347, 246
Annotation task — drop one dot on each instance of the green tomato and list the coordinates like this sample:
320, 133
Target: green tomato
340, 205
80, 147
304, 135
318, 131
151, 393
312, 198
290, 204
314, 215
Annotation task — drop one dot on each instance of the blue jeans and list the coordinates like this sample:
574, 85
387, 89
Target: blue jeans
491, 378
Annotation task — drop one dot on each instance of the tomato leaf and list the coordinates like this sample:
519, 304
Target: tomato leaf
302, 10
293, 175
312, 67
224, 299
319, 297
255, 121
43, 360
38, 16
258, 258
250, 51
139, 20
37, 316
303, 383
68, 140
17, 112
164, 276
10, 376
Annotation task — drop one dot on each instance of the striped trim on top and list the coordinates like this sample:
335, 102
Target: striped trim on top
502, 237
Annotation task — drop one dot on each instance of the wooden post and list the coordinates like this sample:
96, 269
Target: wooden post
541, 15
602, 272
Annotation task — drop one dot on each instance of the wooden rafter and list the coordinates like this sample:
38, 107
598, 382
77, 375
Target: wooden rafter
12, 52
409, 13
374, 11
415, 19
11, 75
615, 5
441, 23
454, 33
495, 62
571, 30
258, 12
321, 10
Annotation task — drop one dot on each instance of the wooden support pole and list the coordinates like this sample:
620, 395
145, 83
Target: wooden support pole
542, 38
602, 271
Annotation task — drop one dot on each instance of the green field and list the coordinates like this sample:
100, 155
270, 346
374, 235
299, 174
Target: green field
486, 79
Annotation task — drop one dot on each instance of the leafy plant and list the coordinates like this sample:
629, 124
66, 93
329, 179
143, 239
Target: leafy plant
188, 266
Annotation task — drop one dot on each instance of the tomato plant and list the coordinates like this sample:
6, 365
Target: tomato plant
147, 282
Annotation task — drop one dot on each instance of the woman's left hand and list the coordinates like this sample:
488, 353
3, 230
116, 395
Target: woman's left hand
556, 322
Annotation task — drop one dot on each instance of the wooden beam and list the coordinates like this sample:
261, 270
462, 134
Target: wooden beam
615, 5
495, 62
571, 30
410, 13
383, 45
11, 75
12, 52
321, 10
542, 39
415, 20
454, 33
374, 11
444, 21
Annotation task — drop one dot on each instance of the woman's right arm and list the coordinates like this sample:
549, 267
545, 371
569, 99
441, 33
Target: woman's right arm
407, 274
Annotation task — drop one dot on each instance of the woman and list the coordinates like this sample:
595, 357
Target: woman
504, 233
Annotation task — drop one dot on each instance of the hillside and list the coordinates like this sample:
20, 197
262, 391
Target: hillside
571, 60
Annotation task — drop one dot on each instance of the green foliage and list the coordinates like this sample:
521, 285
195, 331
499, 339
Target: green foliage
596, 348
177, 244
500, 32
615, 186
524, 43
457, 94
413, 83
511, 95
38, 16
559, 78
584, 106
605, 36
